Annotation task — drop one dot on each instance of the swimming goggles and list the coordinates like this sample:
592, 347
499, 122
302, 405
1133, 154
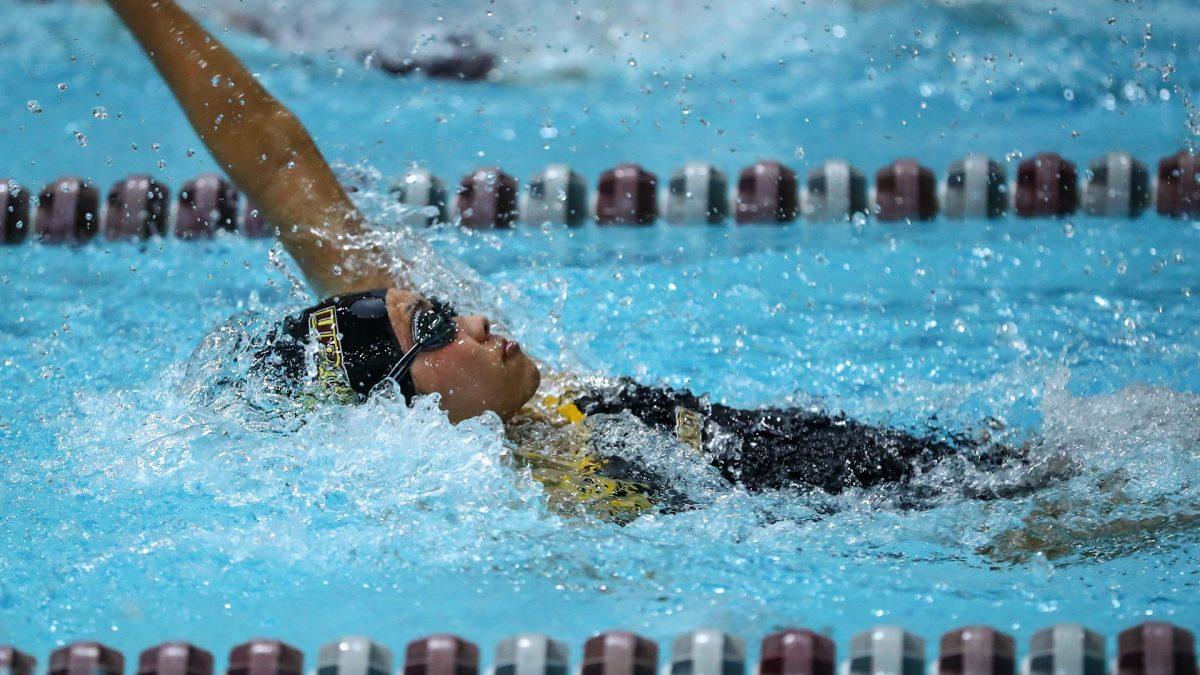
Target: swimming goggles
432, 327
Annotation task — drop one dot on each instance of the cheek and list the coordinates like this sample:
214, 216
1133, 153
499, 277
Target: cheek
459, 366
449, 361
470, 373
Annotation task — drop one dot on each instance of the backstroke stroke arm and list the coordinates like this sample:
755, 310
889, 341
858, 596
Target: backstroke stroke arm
261, 145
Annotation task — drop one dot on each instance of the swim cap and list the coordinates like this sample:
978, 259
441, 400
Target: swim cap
356, 346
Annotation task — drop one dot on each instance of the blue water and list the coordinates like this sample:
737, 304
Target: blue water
141, 505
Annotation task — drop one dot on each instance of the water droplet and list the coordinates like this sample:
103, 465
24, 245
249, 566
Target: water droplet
32, 106
190, 152
81, 139
62, 86
100, 113
337, 270
632, 62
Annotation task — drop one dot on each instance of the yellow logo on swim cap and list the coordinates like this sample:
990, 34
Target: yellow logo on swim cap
330, 371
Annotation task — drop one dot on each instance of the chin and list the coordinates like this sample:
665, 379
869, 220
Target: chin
532, 383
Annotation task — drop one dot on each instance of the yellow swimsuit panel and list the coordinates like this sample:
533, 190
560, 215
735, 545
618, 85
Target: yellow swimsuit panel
551, 440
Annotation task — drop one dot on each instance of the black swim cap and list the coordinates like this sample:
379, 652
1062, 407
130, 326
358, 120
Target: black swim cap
356, 346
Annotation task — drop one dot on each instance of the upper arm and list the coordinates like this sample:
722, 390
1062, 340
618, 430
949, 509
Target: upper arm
318, 224
280, 167
262, 146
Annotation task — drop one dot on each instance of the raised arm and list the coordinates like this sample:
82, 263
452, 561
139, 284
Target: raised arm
261, 145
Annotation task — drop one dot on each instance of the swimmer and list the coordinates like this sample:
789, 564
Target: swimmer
374, 333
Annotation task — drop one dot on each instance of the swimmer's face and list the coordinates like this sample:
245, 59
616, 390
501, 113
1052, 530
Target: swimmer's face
478, 372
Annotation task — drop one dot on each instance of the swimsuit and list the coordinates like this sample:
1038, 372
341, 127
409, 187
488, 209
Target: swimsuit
775, 448
761, 449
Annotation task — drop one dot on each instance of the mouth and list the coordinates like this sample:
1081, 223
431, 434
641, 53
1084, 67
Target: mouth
509, 348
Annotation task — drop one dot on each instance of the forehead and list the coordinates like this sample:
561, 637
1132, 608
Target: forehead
407, 300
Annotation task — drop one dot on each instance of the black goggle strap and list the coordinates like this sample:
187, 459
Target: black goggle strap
405, 362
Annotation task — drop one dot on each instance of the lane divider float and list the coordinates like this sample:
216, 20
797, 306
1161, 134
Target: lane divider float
1115, 185
1151, 648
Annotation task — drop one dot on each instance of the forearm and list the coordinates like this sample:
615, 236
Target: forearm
260, 144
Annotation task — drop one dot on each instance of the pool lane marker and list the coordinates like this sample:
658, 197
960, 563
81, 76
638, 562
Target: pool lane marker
139, 207
1150, 648
175, 658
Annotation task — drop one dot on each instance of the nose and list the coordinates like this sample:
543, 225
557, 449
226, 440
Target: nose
478, 327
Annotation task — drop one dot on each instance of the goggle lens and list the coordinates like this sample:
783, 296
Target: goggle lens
433, 326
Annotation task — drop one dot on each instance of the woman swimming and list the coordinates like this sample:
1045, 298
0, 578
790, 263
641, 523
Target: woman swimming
373, 333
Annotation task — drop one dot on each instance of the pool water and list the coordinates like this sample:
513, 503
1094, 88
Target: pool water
142, 503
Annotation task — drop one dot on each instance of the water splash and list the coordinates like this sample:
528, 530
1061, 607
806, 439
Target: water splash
153, 485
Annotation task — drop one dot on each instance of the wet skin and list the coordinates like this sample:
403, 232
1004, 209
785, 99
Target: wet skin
272, 158
479, 372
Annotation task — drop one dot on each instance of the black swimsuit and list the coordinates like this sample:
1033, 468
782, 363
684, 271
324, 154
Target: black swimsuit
779, 448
